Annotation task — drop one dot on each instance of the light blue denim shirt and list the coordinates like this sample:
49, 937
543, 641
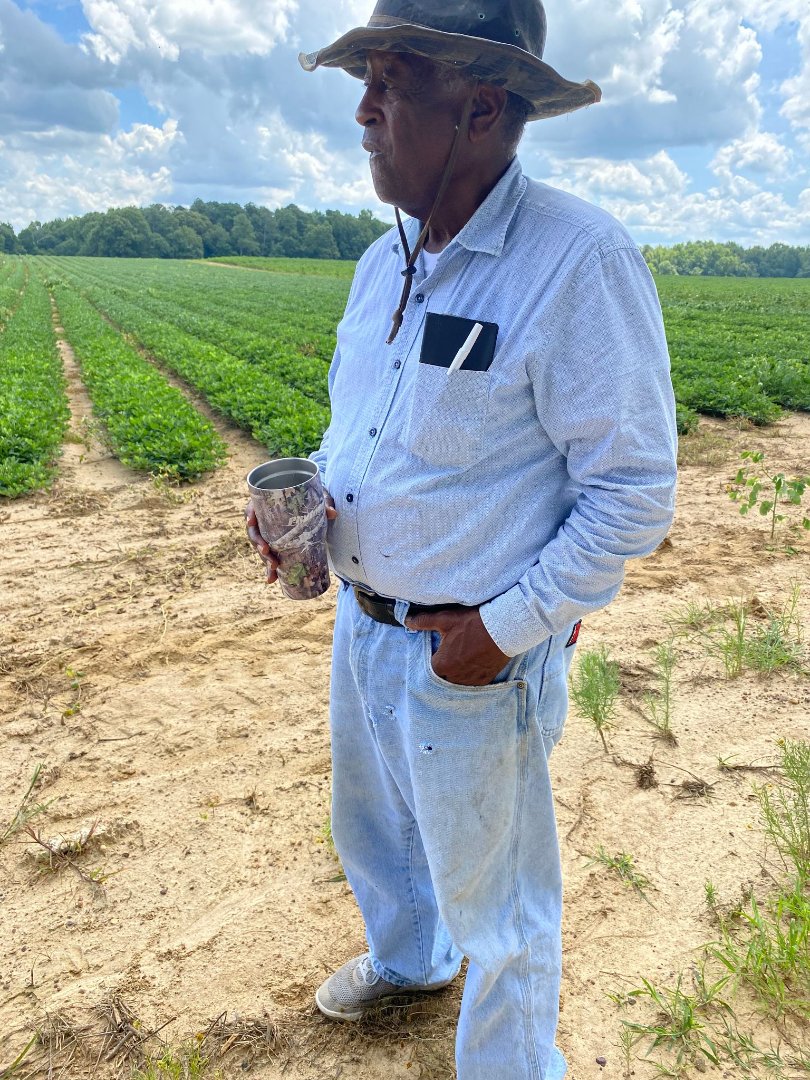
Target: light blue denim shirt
523, 488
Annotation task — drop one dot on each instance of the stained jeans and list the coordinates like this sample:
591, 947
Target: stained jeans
444, 822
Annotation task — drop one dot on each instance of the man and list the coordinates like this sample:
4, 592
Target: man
496, 453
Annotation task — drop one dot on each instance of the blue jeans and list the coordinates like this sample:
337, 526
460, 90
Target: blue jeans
444, 822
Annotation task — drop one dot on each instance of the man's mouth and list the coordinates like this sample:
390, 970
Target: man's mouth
371, 148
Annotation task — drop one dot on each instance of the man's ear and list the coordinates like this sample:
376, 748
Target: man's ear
488, 107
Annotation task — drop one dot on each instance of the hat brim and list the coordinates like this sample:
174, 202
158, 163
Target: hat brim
509, 66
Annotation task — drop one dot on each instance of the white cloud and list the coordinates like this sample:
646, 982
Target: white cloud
760, 152
144, 140
59, 175
213, 27
655, 200
312, 168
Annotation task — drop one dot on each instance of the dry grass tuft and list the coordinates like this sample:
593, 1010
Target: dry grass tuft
705, 448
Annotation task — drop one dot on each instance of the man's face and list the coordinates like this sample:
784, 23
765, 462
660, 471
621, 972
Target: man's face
409, 114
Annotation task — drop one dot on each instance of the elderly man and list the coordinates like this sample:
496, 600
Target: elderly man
496, 452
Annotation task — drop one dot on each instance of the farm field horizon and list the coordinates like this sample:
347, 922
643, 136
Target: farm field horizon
173, 709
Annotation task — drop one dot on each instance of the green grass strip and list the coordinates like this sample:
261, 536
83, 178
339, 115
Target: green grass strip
34, 412
151, 425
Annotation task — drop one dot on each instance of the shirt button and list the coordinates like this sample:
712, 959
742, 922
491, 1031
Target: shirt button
373, 432
355, 560
350, 497
397, 365
420, 298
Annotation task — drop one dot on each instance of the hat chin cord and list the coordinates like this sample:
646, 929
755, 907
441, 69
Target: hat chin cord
462, 130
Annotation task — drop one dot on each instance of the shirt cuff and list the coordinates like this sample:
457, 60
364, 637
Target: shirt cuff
510, 624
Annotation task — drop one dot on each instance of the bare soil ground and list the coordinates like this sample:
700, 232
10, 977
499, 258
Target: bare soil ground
179, 707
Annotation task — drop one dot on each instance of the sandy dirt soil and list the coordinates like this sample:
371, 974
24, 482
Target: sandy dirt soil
179, 707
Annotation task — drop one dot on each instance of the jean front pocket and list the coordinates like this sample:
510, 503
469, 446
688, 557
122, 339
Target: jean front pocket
508, 678
447, 416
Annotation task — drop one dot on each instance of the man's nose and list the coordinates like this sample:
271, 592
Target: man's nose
368, 111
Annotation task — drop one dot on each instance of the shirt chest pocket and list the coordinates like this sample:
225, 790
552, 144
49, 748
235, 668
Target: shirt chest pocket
447, 415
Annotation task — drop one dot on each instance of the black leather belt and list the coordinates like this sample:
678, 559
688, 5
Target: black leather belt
381, 609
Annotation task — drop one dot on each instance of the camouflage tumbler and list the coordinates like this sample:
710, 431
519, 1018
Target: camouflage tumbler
290, 508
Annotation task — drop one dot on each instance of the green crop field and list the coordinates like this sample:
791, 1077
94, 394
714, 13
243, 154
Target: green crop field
255, 339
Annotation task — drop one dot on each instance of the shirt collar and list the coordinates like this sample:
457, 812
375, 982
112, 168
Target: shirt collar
486, 229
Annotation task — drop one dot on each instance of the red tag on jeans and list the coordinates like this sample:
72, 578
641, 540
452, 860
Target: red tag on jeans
574, 635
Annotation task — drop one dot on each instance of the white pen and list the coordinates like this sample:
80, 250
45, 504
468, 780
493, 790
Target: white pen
466, 348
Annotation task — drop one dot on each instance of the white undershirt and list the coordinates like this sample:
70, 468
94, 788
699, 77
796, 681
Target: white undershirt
429, 260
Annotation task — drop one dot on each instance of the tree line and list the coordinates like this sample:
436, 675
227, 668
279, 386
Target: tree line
709, 259
203, 230
210, 229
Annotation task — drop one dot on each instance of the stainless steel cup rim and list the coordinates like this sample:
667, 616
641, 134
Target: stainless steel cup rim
298, 470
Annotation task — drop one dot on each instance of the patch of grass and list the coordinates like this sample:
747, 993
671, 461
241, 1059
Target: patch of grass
769, 950
623, 865
771, 642
703, 447
682, 1027
187, 1063
595, 689
695, 615
779, 644
727, 643
785, 810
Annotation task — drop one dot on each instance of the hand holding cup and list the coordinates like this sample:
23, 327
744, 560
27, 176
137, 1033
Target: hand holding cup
260, 545
286, 523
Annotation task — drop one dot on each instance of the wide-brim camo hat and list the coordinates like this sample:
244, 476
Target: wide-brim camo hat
497, 41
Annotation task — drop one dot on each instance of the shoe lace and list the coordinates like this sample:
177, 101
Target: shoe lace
365, 972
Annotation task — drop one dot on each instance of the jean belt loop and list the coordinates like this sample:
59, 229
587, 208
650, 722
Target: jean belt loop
401, 612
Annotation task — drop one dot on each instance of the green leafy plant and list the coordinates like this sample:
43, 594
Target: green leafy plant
658, 705
768, 493
595, 689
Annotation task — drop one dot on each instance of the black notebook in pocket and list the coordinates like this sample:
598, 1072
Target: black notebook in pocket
445, 335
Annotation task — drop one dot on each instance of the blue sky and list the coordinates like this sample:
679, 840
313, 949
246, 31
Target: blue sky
703, 131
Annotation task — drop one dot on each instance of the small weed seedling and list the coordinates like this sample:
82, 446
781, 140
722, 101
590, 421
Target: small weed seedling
623, 865
595, 690
778, 491
26, 811
659, 703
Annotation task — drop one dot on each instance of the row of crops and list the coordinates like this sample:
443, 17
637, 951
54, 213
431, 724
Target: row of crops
33, 406
257, 345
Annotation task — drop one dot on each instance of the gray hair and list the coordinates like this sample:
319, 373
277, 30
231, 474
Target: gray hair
515, 114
